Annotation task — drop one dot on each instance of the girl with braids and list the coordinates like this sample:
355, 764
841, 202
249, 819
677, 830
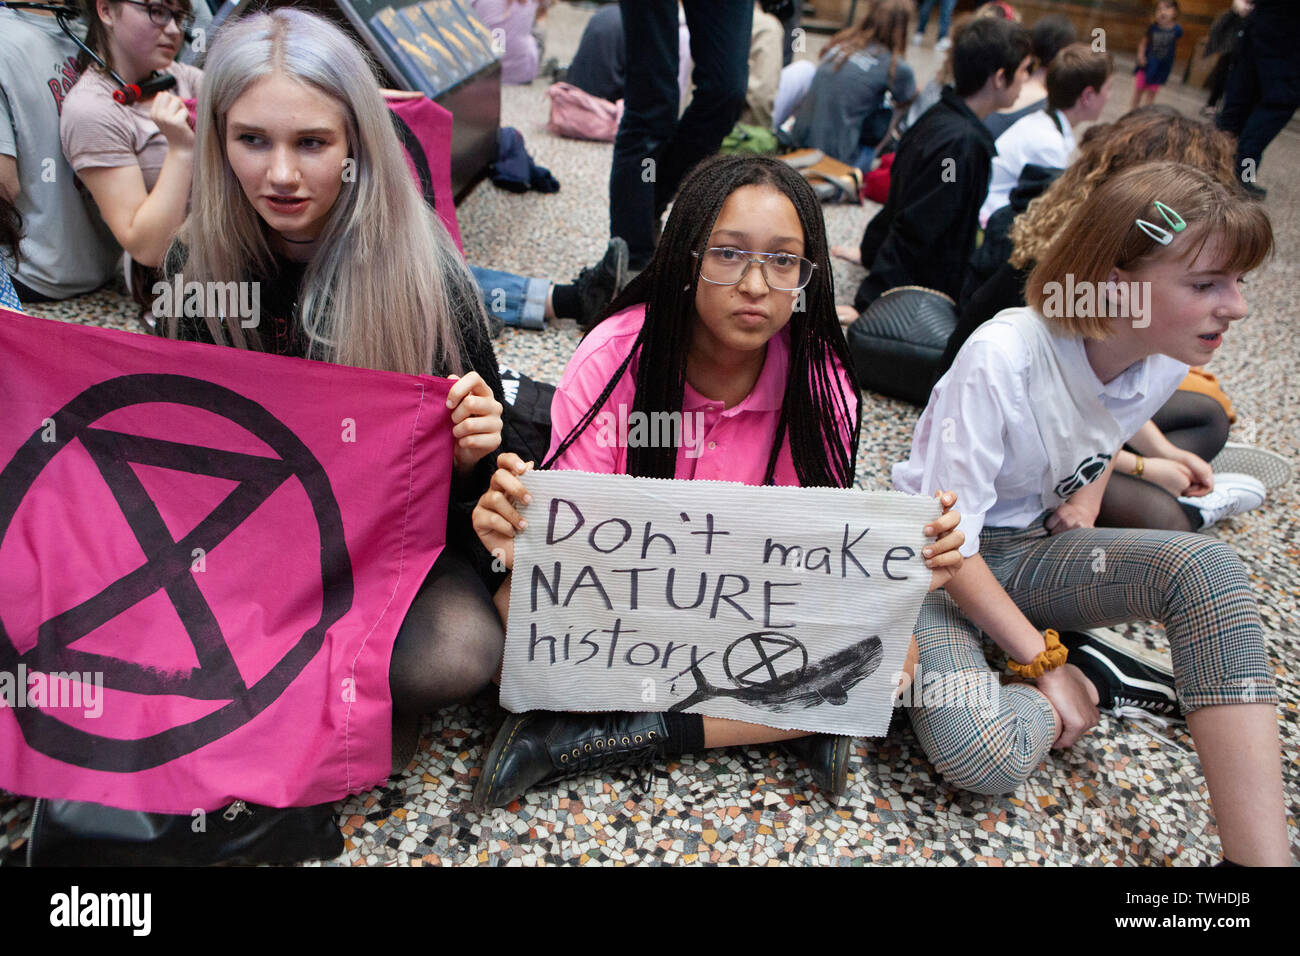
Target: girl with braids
1041, 398
708, 329
1162, 478
300, 185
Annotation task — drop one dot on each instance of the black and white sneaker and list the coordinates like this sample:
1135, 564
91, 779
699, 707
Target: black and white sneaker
1127, 675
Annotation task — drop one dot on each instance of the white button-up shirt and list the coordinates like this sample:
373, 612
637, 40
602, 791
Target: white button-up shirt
1032, 139
978, 436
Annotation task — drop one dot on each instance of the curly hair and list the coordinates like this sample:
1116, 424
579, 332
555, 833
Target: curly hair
1146, 134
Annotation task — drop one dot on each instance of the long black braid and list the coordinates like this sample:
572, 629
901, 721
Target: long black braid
814, 405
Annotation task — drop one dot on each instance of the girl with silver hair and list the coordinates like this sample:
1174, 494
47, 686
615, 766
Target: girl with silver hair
300, 184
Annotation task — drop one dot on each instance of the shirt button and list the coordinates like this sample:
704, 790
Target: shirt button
712, 445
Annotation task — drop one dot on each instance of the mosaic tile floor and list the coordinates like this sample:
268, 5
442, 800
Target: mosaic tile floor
1118, 797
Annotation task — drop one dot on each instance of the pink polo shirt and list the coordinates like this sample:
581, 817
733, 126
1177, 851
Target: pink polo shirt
729, 444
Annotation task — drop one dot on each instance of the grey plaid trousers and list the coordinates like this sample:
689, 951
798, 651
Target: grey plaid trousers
1194, 585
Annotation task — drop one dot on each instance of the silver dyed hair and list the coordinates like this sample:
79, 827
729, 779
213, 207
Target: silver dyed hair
387, 287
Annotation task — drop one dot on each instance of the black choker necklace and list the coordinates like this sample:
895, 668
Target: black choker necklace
300, 242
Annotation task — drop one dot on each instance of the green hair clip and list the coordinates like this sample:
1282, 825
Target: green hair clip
1159, 233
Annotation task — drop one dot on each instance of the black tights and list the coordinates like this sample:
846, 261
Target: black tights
1191, 421
450, 643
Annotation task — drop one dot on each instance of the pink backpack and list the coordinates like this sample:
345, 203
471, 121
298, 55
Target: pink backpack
577, 114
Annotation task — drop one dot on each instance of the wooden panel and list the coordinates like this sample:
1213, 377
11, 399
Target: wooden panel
1126, 22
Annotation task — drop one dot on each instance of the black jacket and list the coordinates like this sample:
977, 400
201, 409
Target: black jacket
996, 247
925, 233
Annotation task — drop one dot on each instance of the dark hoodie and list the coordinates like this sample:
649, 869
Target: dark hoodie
925, 233
993, 284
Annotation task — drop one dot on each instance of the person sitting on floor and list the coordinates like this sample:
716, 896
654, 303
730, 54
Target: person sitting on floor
1078, 86
1170, 486
67, 250
925, 233
137, 160
514, 24
861, 65
1049, 36
1044, 398
745, 235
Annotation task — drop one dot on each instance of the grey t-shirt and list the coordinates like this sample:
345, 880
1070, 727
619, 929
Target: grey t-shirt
67, 249
831, 115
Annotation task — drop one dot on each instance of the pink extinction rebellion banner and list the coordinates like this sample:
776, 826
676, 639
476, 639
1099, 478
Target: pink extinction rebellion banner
205, 555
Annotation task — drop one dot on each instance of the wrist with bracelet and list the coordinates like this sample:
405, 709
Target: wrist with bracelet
1140, 467
1048, 659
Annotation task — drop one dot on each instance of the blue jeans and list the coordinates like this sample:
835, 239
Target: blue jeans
654, 149
515, 300
945, 16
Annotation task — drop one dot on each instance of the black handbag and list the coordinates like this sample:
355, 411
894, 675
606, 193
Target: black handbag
897, 344
73, 833
526, 416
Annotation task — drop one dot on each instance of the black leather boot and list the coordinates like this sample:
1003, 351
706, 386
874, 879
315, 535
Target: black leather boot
542, 747
827, 756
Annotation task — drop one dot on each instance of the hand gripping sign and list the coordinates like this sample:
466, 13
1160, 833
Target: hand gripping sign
790, 607
205, 555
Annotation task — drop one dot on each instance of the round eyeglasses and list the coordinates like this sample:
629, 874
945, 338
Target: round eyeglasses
782, 271
160, 15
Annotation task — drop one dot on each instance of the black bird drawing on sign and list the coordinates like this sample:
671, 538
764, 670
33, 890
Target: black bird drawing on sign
827, 681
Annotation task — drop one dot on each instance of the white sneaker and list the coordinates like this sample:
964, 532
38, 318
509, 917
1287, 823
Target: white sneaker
918, 38
943, 45
1233, 494
1272, 469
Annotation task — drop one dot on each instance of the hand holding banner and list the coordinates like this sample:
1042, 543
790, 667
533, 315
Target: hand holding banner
205, 555
789, 607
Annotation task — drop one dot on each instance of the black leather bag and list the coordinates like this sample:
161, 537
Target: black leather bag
898, 343
72, 833
526, 417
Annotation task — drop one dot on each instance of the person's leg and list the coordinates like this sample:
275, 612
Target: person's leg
1132, 502
795, 82
1194, 422
945, 16
1265, 122
1218, 80
994, 739
587, 298
1278, 82
720, 33
1240, 96
450, 642
27, 294
789, 24
514, 299
649, 118
1198, 589
923, 15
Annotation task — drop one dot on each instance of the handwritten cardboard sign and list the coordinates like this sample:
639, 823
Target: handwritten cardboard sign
789, 607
